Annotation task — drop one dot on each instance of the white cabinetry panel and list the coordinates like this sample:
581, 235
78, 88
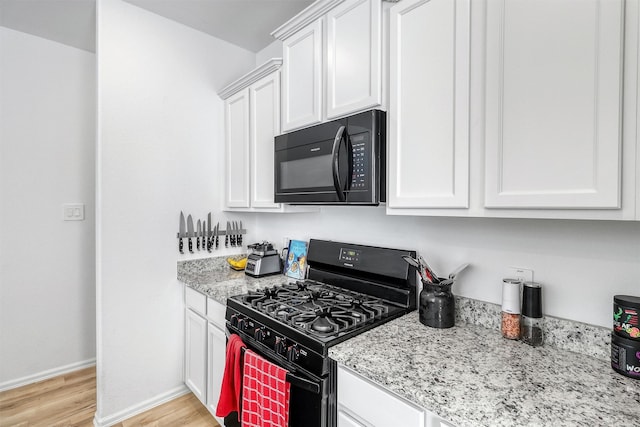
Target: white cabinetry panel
195, 301
265, 124
196, 354
553, 103
344, 420
373, 405
353, 57
428, 145
302, 78
216, 342
237, 149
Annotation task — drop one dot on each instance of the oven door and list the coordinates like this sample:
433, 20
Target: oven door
312, 399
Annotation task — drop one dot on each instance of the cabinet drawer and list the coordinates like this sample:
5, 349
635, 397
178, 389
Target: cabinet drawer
372, 404
215, 313
195, 301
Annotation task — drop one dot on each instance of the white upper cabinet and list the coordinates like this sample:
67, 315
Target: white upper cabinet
353, 57
237, 150
264, 126
252, 121
514, 109
302, 78
553, 104
428, 144
332, 62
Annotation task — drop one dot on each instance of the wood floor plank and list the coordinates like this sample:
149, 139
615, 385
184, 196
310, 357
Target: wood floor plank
69, 400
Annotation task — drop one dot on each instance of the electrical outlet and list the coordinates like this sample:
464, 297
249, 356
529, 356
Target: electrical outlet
73, 212
520, 273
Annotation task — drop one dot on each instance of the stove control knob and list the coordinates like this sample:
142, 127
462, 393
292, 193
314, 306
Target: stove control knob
234, 320
293, 353
259, 334
242, 324
281, 346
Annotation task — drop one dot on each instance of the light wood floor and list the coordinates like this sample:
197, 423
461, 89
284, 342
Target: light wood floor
70, 400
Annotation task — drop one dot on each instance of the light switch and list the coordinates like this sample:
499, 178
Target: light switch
73, 212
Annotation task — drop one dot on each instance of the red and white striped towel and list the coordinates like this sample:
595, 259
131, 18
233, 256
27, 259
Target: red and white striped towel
265, 393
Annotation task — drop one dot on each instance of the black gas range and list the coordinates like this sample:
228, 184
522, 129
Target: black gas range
351, 289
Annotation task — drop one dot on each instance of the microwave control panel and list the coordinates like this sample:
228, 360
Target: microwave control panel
360, 161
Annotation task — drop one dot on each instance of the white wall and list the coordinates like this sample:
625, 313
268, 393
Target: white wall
274, 50
581, 264
159, 151
47, 275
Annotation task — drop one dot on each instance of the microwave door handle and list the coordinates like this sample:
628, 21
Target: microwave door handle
335, 153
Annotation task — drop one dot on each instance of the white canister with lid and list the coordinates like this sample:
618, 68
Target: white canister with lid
510, 318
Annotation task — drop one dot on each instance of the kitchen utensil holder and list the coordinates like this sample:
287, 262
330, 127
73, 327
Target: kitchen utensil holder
210, 239
437, 304
220, 233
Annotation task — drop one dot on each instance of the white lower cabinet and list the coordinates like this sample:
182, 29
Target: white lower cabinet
361, 403
216, 344
435, 421
344, 420
205, 348
364, 404
196, 354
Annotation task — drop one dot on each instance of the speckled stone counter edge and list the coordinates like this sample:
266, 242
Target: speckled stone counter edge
559, 333
564, 334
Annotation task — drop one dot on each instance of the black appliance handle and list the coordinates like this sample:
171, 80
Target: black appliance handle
292, 379
335, 154
303, 384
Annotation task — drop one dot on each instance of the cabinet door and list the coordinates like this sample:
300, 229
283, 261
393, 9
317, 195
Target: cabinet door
553, 103
373, 405
354, 57
344, 420
196, 354
265, 125
216, 342
237, 149
302, 77
428, 145
435, 421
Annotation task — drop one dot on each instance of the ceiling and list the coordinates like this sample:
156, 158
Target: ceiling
245, 23
71, 22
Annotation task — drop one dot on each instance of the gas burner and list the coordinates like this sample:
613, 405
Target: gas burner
318, 309
370, 309
328, 321
264, 296
301, 286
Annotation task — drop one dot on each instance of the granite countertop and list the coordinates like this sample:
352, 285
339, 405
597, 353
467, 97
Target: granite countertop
214, 278
472, 376
467, 374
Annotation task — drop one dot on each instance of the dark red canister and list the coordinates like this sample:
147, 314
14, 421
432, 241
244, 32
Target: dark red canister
626, 316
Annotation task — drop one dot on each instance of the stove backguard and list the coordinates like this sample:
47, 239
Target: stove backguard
380, 272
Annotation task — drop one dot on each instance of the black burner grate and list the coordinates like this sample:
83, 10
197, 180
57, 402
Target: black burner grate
317, 308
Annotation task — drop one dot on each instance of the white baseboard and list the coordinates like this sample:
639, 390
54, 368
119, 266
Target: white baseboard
44, 375
140, 407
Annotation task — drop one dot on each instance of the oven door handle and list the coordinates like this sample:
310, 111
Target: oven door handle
335, 153
303, 384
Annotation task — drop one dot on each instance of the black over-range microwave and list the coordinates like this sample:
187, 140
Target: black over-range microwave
341, 162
